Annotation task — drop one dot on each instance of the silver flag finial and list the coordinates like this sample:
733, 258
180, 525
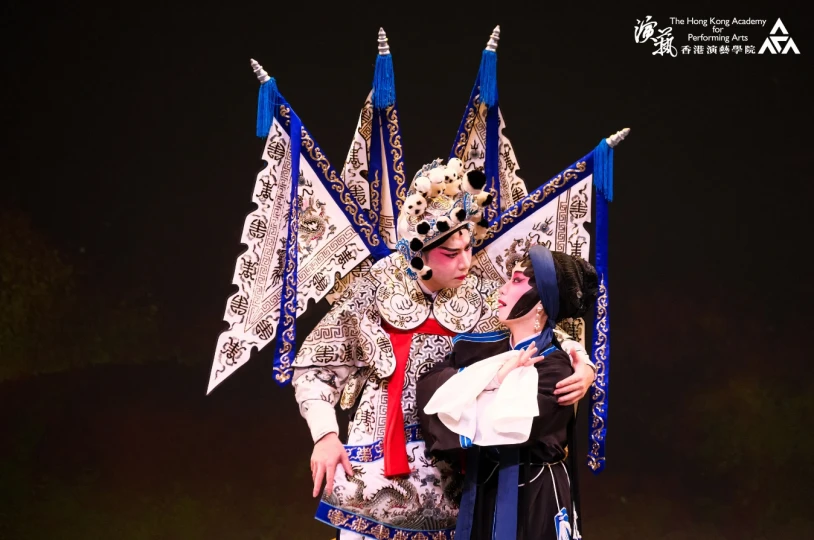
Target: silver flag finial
493, 39
617, 137
384, 48
261, 74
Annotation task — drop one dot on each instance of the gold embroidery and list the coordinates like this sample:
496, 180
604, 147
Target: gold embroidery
534, 199
366, 125
337, 517
360, 525
598, 395
375, 199
397, 155
364, 455
381, 532
460, 145
285, 112
468, 123
337, 185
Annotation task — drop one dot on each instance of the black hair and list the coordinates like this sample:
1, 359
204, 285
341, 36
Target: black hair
577, 282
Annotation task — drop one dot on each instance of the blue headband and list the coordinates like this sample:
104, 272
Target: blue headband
545, 275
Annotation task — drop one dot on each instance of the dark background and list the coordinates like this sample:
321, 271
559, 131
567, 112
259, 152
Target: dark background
129, 164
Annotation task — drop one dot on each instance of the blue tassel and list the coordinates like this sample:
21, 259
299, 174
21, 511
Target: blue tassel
603, 169
384, 82
487, 77
268, 101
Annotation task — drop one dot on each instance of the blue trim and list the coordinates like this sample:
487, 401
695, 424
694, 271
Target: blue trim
465, 441
538, 198
505, 524
545, 276
601, 347
466, 511
337, 188
286, 329
349, 521
492, 160
462, 128
603, 169
525, 343
375, 174
395, 159
482, 337
367, 453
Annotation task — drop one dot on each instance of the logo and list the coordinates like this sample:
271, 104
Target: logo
644, 31
781, 44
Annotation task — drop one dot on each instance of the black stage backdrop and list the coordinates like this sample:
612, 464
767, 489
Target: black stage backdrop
130, 158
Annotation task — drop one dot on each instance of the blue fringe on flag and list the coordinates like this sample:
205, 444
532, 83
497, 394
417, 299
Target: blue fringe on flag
603, 169
267, 102
488, 78
384, 82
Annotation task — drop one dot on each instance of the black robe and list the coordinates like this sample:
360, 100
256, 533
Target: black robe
538, 502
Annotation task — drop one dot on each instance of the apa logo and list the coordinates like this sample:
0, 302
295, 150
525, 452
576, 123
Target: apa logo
774, 43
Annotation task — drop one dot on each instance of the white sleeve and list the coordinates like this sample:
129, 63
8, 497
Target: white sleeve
455, 402
508, 418
317, 392
488, 418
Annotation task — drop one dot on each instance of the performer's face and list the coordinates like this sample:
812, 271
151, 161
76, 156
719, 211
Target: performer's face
450, 261
510, 293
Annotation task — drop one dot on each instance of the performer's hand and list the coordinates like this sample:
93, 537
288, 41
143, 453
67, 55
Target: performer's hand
525, 358
328, 453
573, 388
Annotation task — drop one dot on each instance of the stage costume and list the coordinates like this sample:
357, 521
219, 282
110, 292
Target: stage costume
342, 242
514, 425
546, 487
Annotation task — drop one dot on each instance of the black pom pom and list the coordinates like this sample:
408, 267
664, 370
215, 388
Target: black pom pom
422, 228
442, 226
460, 214
488, 200
483, 223
416, 244
477, 179
417, 263
427, 275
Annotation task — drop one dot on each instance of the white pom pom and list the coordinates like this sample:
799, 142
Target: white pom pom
457, 166
437, 180
422, 185
414, 205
